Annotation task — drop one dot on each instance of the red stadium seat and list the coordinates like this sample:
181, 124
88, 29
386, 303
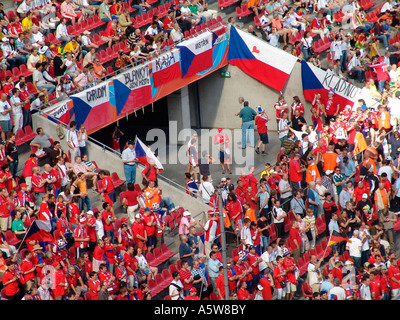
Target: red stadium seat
11, 238
117, 180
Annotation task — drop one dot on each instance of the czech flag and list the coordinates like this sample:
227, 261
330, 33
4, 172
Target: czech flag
260, 60
166, 68
316, 80
337, 237
40, 231
196, 54
311, 84
144, 155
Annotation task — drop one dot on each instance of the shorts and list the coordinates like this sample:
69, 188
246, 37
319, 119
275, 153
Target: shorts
140, 244
5, 125
280, 293
290, 287
264, 137
195, 169
151, 241
280, 229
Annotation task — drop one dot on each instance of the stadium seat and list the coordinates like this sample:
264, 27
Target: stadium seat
167, 298
151, 260
97, 39
167, 275
11, 238
88, 295
24, 71
178, 264
20, 137
117, 180
161, 282
172, 268
154, 288
166, 252
31, 89
307, 291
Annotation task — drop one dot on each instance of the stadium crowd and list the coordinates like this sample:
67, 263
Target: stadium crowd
319, 223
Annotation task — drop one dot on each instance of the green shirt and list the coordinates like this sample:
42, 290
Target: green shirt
193, 9
247, 114
338, 178
17, 225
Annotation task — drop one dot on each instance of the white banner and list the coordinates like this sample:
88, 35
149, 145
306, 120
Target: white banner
165, 60
136, 78
96, 95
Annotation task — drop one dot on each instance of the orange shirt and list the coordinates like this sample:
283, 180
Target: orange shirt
361, 143
330, 159
251, 215
312, 170
372, 162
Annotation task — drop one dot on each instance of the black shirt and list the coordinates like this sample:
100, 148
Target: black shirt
295, 123
58, 71
12, 150
262, 224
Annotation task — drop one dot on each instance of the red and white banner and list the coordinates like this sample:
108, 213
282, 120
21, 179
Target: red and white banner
166, 68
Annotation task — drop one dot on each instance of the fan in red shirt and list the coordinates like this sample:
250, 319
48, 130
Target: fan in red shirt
360, 190
254, 260
243, 294
393, 274
251, 197
375, 286
61, 283
290, 267
94, 285
108, 217
294, 240
139, 233
81, 236
192, 294
108, 187
266, 281
186, 277
108, 278
10, 282
28, 269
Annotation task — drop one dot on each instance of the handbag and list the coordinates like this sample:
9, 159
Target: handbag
310, 51
282, 283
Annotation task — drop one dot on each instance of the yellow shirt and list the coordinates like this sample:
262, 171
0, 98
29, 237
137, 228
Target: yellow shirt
70, 47
26, 23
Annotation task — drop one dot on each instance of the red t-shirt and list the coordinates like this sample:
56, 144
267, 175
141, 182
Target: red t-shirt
131, 198
59, 278
375, 287
36, 180
221, 286
149, 229
266, 293
185, 274
252, 259
11, 288
98, 253
294, 233
261, 123
243, 294
393, 272
93, 286
138, 229
294, 166
107, 215
287, 263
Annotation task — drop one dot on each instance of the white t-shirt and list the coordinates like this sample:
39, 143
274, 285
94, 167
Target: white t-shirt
99, 228
206, 189
365, 245
266, 257
279, 212
339, 292
314, 275
172, 289
3, 106
354, 246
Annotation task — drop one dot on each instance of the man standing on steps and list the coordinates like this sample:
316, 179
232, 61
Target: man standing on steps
247, 114
73, 141
129, 160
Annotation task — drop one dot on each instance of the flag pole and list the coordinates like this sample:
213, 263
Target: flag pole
27, 231
327, 243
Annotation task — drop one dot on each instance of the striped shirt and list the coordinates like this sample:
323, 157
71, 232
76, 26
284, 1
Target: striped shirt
310, 220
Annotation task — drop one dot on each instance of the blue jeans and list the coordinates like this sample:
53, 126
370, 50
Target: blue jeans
14, 167
85, 201
138, 8
247, 133
27, 118
50, 87
167, 202
385, 39
360, 74
343, 60
130, 173
264, 243
381, 85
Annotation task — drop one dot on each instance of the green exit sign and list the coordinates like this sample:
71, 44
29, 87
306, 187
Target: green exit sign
225, 74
